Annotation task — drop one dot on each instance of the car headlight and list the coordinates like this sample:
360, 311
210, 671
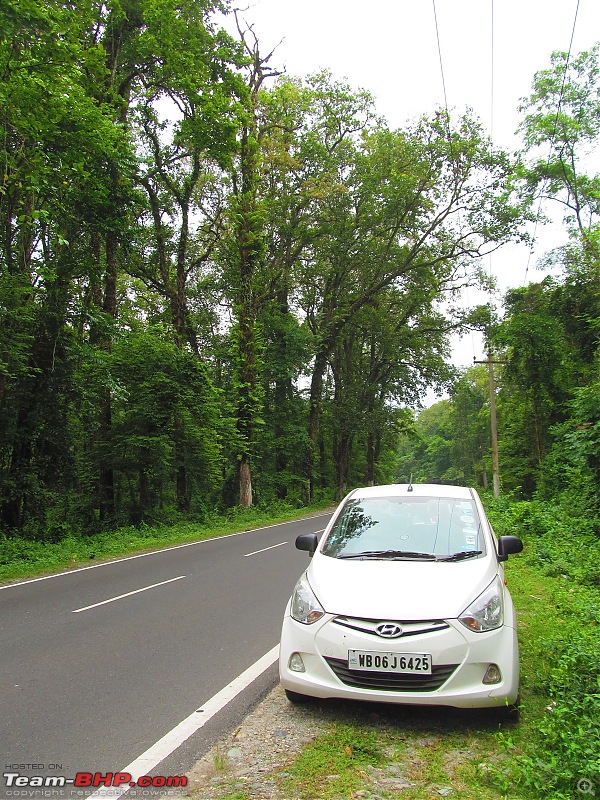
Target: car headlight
486, 613
305, 607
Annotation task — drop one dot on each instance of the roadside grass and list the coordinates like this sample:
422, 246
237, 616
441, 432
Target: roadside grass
335, 764
413, 753
422, 753
22, 558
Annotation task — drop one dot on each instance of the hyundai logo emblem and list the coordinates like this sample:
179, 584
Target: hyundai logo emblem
389, 630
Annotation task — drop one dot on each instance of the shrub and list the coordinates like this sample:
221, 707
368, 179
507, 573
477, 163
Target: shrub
565, 750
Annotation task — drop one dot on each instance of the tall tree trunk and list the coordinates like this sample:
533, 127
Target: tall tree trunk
316, 396
116, 34
247, 385
249, 234
370, 458
248, 255
342, 460
282, 395
245, 481
109, 306
39, 447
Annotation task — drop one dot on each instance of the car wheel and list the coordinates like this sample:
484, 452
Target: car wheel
296, 698
509, 713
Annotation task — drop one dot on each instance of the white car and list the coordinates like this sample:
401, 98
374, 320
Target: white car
404, 601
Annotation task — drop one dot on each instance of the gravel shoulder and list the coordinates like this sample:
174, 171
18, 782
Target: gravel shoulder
250, 757
251, 760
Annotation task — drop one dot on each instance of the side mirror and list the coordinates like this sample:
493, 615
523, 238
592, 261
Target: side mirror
307, 541
508, 545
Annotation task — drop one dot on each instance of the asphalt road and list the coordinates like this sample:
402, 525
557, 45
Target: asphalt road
90, 685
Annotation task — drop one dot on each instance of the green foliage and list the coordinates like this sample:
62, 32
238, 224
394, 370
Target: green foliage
562, 536
202, 272
563, 749
536, 381
584, 436
561, 542
546, 407
563, 111
450, 440
161, 388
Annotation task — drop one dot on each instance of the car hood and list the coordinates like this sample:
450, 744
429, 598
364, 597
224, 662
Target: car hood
401, 590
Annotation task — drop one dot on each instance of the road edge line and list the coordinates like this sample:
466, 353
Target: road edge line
154, 552
143, 764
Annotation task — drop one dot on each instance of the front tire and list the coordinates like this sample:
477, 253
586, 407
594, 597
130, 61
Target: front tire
509, 713
296, 698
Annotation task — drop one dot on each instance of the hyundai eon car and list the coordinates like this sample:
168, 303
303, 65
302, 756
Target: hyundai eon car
404, 601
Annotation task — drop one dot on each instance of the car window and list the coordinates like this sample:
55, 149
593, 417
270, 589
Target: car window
392, 526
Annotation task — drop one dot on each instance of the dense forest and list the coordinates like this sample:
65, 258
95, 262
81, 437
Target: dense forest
223, 285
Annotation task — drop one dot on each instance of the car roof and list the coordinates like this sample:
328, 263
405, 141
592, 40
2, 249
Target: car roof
415, 490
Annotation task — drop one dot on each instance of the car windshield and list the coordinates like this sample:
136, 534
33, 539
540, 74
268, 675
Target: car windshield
406, 528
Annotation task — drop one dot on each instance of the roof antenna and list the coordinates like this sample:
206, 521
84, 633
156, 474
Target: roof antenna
409, 487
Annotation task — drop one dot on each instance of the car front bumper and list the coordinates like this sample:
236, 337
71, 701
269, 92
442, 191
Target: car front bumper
460, 659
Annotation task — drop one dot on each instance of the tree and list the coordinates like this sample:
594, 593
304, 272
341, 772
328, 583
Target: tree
160, 392
560, 128
425, 452
61, 150
68, 196
246, 258
415, 211
471, 426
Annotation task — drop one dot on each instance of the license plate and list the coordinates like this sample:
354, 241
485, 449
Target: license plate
371, 661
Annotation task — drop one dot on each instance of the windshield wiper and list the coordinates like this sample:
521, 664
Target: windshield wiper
460, 556
392, 554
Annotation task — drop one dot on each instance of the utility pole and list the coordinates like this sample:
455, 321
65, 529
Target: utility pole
495, 469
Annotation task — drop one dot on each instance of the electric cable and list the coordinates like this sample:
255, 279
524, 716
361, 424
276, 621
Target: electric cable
437, 33
492, 75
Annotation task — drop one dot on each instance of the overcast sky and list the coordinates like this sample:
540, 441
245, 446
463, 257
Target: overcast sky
490, 50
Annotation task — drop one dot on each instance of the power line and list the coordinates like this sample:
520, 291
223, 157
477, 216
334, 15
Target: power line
439, 48
490, 361
492, 76
492, 57
437, 33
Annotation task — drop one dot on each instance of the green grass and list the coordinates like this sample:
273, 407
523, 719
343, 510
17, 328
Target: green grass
334, 764
21, 558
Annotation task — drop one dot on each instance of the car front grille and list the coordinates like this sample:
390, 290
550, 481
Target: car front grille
391, 682
409, 628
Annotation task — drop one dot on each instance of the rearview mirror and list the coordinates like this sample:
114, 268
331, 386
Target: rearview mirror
307, 541
508, 545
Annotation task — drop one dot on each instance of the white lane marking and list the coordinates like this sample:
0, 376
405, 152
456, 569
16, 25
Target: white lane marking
144, 764
154, 552
272, 547
127, 594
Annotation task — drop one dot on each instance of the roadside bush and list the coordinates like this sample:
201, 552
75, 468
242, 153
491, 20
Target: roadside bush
561, 541
565, 751
561, 537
